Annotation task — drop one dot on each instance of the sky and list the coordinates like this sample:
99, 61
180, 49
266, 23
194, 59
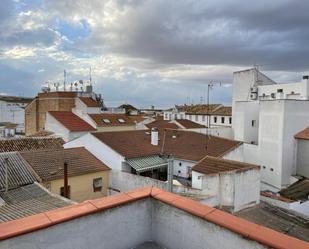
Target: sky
150, 52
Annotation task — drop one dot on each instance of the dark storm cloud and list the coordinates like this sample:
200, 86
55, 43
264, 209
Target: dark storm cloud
273, 33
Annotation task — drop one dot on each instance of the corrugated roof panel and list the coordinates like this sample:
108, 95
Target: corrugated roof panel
28, 200
142, 164
19, 173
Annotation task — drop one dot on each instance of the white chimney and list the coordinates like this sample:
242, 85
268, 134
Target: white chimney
154, 136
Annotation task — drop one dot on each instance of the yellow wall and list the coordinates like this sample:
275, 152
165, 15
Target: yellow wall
81, 187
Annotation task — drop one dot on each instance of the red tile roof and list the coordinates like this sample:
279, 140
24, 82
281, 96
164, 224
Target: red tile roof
181, 144
162, 124
188, 124
304, 134
71, 121
113, 118
89, 102
246, 229
48, 164
223, 111
213, 165
30, 144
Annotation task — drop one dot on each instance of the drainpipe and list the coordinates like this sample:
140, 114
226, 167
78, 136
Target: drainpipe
65, 178
170, 174
6, 163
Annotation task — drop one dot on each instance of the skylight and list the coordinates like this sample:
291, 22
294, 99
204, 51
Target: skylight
120, 120
105, 120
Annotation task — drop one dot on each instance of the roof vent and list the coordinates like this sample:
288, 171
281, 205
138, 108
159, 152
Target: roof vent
2, 202
305, 77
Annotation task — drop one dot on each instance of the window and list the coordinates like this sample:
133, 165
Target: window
97, 184
230, 120
190, 117
165, 116
179, 172
180, 164
215, 119
62, 191
222, 120
196, 117
121, 120
203, 118
280, 90
253, 123
105, 120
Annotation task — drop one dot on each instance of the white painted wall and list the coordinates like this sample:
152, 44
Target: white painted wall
238, 190
182, 168
218, 131
103, 152
133, 224
246, 121
302, 158
12, 112
53, 125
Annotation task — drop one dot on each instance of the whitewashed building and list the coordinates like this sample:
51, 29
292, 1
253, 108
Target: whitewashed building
12, 110
266, 116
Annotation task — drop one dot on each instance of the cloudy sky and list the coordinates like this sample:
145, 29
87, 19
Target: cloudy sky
150, 52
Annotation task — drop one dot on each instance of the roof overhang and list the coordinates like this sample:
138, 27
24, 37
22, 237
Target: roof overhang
142, 164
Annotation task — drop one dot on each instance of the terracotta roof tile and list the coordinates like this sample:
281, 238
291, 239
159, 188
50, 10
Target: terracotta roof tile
188, 124
89, 102
114, 120
30, 144
223, 111
304, 134
161, 124
71, 121
248, 230
213, 165
181, 144
48, 164
201, 109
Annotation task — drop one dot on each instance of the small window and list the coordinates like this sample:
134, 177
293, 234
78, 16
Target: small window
203, 118
121, 120
253, 123
196, 117
190, 117
105, 120
179, 172
62, 191
97, 184
215, 119
271, 169
230, 120
222, 120
264, 167
280, 90
180, 164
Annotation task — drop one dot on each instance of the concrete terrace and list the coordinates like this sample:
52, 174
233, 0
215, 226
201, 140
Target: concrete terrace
128, 220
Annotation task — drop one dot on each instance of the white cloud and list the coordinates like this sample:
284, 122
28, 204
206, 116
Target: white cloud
19, 52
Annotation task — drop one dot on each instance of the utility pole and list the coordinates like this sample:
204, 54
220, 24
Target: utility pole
65, 179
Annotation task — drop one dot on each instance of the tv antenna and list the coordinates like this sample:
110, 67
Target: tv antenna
64, 79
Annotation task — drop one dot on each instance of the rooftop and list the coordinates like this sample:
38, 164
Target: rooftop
204, 109
181, 144
139, 216
89, 102
106, 119
48, 164
213, 165
19, 172
188, 124
297, 191
28, 200
71, 121
304, 134
30, 144
162, 124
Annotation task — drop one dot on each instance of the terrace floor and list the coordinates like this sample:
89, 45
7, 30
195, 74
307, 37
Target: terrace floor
149, 245
277, 219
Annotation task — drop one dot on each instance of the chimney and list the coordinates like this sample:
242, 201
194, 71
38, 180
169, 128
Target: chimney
154, 136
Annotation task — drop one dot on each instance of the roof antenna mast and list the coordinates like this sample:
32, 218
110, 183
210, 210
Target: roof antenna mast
90, 79
64, 79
